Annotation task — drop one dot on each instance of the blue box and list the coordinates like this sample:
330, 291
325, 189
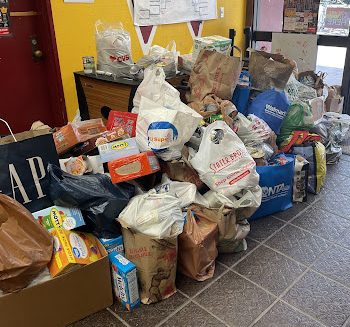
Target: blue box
125, 284
113, 244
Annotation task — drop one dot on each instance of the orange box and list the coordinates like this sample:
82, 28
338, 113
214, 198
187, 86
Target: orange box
72, 249
131, 167
87, 129
65, 139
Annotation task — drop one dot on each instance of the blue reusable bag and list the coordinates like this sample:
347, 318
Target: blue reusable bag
242, 92
271, 106
277, 188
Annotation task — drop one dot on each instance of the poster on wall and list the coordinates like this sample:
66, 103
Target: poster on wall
159, 12
4, 17
300, 16
337, 18
300, 47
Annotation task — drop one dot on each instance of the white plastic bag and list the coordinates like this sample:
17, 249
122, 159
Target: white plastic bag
165, 129
223, 162
113, 45
155, 215
186, 192
156, 88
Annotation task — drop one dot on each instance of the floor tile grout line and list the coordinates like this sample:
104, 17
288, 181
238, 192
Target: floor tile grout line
346, 323
262, 314
172, 314
117, 316
213, 315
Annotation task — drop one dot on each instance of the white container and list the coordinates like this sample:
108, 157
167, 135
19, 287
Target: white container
118, 149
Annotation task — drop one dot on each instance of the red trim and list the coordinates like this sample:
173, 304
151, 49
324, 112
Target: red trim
54, 78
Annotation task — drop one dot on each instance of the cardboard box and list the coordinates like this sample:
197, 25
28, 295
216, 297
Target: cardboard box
59, 217
113, 244
62, 300
72, 249
125, 284
88, 129
126, 120
65, 139
216, 43
118, 149
132, 167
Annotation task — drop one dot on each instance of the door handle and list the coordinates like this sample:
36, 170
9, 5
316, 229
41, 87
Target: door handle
36, 52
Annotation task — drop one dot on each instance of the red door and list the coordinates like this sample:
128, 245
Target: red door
30, 84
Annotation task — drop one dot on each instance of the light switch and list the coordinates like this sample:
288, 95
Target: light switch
222, 12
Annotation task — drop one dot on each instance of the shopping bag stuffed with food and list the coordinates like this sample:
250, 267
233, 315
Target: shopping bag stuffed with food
223, 162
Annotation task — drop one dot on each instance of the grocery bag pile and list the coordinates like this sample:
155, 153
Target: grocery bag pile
169, 186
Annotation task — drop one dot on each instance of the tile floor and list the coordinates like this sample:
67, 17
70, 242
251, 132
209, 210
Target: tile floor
295, 273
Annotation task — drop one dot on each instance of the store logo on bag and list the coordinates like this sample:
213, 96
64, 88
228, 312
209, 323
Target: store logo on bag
273, 111
123, 58
273, 192
161, 135
226, 161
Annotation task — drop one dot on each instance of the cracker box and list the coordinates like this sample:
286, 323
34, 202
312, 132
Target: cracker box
72, 249
118, 149
126, 120
132, 167
65, 139
113, 244
59, 217
216, 43
87, 129
124, 279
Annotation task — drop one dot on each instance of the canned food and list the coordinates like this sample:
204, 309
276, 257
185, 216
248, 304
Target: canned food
89, 64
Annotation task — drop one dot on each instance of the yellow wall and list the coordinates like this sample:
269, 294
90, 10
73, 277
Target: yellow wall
74, 27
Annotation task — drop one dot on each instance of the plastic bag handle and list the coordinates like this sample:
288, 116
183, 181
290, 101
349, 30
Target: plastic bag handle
99, 23
9, 128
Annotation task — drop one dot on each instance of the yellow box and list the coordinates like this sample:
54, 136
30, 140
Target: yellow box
72, 249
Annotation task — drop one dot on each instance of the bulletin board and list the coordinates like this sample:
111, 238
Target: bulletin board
300, 16
4, 18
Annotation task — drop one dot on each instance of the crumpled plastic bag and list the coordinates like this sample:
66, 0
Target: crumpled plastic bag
99, 200
297, 91
223, 162
165, 129
156, 215
26, 247
113, 44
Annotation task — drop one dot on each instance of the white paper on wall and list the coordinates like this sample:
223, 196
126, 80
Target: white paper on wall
158, 12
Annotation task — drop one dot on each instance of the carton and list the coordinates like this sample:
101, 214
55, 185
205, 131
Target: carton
118, 149
124, 281
126, 120
65, 139
88, 129
113, 244
72, 296
59, 217
132, 167
72, 249
216, 43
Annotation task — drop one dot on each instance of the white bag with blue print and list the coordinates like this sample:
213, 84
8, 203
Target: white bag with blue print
165, 129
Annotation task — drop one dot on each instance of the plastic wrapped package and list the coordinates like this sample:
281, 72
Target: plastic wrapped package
223, 162
156, 215
113, 44
26, 247
100, 200
297, 91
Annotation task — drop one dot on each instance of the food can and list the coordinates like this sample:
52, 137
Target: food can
89, 64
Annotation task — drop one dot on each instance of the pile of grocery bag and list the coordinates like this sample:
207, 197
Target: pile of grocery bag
170, 185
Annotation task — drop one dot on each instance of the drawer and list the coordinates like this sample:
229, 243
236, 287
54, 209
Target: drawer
101, 94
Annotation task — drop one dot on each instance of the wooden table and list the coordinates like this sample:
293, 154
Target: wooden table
97, 94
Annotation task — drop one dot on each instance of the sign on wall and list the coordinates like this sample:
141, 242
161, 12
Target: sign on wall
301, 16
158, 12
4, 18
338, 18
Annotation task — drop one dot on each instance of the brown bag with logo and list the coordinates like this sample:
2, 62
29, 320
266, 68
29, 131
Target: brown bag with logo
26, 247
155, 261
269, 70
197, 247
214, 73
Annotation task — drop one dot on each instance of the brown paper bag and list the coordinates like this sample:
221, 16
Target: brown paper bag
155, 261
231, 232
269, 70
334, 101
26, 247
214, 73
197, 247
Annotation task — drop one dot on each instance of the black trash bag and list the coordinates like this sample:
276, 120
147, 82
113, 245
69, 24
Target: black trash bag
100, 201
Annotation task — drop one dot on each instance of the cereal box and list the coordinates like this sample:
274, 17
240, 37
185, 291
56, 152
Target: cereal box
59, 217
113, 244
72, 249
124, 281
